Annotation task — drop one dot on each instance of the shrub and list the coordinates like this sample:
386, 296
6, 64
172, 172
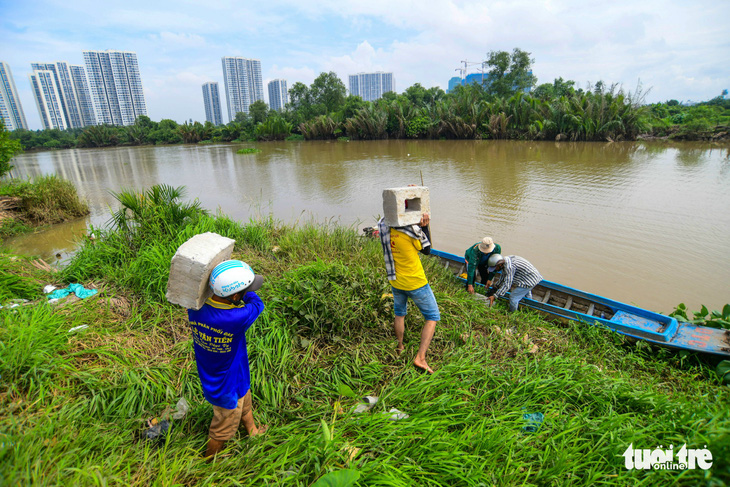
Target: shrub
47, 200
418, 127
313, 296
273, 128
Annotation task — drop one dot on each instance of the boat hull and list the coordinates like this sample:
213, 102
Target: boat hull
573, 304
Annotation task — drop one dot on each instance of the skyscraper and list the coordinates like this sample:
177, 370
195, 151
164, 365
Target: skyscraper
11, 110
48, 99
212, 101
371, 86
454, 82
83, 96
116, 86
278, 94
64, 90
243, 83
255, 82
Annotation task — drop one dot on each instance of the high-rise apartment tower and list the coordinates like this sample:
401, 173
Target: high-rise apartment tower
48, 99
212, 101
242, 82
69, 90
11, 111
83, 96
278, 94
116, 86
371, 86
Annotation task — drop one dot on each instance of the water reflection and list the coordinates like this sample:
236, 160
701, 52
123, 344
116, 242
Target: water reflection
615, 219
55, 244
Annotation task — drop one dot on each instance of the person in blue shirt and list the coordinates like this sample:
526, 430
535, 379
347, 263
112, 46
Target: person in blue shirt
219, 340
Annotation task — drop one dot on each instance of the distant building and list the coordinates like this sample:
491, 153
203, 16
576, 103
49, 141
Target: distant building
453, 83
371, 86
242, 82
83, 96
11, 110
116, 86
212, 101
471, 79
64, 89
48, 99
278, 94
255, 81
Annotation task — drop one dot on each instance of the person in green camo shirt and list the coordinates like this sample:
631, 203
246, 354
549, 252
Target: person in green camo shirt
476, 258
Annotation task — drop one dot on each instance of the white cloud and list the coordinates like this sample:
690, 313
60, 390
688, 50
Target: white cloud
677, 48
304, 75
178, 41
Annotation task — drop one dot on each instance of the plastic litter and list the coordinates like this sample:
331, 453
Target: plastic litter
534, 421
14, 303
77, 289
49, 288
396, 415
367, 404
77, 328
181, 409
158, 429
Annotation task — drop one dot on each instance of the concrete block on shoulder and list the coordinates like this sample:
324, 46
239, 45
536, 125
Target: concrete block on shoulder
405, 206
191, 266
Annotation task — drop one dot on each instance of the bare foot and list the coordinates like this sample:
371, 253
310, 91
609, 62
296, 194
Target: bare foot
259, 431
399, 349
422, 366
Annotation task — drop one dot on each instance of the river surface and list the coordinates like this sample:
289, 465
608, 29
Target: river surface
646, 223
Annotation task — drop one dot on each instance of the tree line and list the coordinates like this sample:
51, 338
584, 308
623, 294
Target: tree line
508, 105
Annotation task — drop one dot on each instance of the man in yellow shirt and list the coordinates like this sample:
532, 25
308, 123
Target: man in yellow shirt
401, 246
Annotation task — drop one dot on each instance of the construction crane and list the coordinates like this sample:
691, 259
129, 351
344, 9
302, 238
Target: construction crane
465, 70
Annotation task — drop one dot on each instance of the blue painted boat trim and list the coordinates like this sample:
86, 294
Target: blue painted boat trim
629, 320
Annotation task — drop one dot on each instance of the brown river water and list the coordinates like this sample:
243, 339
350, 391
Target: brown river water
647, 223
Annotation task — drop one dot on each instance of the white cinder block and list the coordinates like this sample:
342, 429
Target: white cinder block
191, 267
404, 206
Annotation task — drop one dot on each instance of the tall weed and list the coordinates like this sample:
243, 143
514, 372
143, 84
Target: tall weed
47, 199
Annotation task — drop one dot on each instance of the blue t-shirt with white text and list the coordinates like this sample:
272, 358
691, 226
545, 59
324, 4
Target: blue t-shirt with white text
219, 337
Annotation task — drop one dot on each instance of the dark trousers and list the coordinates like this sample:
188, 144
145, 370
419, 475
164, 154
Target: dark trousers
483, 268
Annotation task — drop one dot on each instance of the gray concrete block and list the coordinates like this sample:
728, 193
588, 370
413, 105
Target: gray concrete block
191, 267
394, 205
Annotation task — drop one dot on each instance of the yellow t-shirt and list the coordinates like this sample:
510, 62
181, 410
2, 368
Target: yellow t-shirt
408, 269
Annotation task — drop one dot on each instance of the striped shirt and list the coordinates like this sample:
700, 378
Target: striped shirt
517, 272
413, 231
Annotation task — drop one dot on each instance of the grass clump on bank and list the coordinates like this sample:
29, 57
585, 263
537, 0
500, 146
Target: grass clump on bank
43, 201
73, 407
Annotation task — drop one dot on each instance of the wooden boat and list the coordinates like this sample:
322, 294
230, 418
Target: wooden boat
573, 304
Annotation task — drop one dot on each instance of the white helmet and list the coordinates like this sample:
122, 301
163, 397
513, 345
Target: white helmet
494, 259
232, 276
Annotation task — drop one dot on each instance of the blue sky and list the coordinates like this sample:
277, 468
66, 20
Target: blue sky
677, 49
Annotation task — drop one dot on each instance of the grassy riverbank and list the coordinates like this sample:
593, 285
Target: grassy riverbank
26, 205
73, 405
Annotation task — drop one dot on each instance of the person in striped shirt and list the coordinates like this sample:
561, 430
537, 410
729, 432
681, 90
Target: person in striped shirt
517, 274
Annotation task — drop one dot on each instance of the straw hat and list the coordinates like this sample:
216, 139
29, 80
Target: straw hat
486, 245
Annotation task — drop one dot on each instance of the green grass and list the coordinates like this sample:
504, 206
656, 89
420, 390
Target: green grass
43, 201
72, 406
